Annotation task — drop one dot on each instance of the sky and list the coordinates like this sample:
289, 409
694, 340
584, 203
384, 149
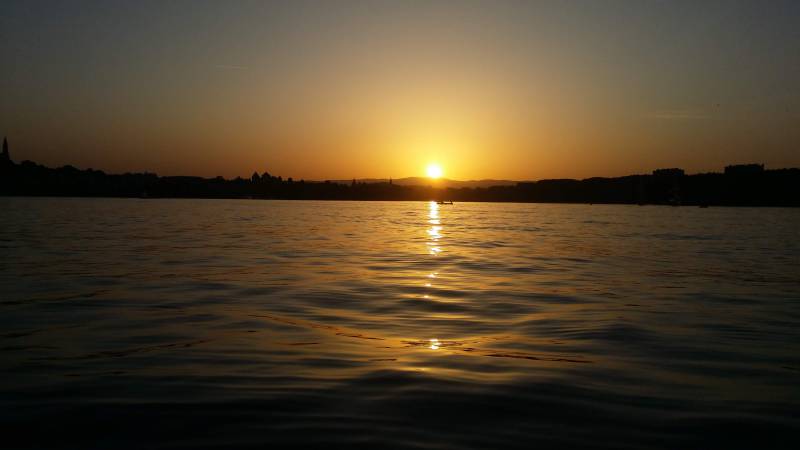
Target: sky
519, 90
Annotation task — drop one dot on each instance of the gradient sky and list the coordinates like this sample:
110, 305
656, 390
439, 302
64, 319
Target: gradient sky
336, 90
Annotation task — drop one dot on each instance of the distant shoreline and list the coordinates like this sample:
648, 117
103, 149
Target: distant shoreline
97, 197
744, 185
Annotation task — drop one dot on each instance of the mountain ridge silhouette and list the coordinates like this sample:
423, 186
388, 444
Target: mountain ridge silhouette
438, 182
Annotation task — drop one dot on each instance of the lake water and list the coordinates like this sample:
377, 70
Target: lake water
236, 324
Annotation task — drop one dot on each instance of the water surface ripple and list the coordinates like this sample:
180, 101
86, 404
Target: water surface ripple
182, 324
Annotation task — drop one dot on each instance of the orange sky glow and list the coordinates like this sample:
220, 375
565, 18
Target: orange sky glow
487, 90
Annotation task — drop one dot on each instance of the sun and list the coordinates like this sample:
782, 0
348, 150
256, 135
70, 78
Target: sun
434, 171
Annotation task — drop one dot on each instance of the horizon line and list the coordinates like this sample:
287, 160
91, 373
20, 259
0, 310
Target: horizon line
369, 180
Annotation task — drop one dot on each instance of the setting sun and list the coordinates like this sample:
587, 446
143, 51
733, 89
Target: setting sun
434, 171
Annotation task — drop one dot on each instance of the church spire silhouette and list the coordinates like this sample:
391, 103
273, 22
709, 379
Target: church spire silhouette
6, 157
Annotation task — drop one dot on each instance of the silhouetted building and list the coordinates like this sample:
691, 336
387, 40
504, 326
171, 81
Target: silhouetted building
744, 169
664, 187
5, 158
673, 172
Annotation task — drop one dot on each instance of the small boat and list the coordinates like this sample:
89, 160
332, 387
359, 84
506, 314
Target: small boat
442, 202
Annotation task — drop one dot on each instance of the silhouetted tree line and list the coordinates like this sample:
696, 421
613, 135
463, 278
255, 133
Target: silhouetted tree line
747, 185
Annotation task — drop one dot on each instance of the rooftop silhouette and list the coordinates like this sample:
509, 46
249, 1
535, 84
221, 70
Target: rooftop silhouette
739, 185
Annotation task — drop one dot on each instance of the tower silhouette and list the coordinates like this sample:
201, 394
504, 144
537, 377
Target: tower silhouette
6, 157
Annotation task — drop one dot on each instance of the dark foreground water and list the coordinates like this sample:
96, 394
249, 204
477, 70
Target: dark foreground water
239, 324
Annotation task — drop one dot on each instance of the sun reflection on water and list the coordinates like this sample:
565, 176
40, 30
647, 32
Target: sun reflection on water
435, 231
434, 210
434, 248
434, 235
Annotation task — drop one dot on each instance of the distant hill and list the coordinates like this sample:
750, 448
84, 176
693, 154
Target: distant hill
439, 183
739, 185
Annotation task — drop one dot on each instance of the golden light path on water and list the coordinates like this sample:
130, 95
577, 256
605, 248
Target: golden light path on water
434, 235
434, 232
